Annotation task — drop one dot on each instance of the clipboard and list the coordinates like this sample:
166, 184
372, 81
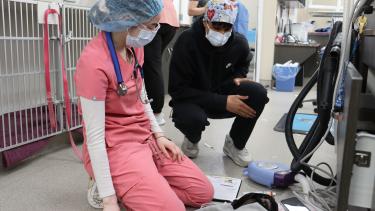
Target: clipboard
226, 189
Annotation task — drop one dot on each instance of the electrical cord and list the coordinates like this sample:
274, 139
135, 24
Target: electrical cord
320, 143
331, 197
319, 199
322, 170
306, 200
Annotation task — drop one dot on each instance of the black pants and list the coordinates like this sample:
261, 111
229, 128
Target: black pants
191, 119
153, 63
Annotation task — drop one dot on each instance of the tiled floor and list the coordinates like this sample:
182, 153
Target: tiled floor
55, 180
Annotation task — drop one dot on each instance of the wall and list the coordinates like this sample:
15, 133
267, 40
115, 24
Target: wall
268, 40
252, 6
305, 15
268, 34
319, 6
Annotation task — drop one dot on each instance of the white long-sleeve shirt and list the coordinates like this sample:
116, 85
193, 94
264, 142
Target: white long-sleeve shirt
94, 118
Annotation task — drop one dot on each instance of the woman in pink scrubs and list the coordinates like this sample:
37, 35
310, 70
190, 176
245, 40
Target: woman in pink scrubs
125, 149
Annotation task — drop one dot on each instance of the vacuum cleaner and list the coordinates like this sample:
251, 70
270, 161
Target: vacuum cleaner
281, 175
328, 79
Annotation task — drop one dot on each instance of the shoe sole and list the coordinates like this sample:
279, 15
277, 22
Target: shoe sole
234, 160
90, 199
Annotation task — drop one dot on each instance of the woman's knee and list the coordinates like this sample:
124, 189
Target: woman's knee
168, 200
177, 205
152, 195
202, 194
162, 203
208, 194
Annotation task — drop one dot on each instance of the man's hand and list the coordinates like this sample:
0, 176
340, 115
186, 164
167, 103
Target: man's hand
168, 147
110, 203
236, 105
238, 81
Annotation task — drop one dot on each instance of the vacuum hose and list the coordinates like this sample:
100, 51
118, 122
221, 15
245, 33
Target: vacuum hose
325, 78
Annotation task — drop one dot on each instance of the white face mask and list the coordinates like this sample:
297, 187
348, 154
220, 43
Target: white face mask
144, 37
218, 39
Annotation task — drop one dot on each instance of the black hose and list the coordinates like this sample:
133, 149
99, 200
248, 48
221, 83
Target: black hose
327, 81
325, 78
290, 139
291, 114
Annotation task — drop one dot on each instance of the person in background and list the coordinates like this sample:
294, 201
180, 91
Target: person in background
153, 59
241, 25
208, 80
124, 149
197, 8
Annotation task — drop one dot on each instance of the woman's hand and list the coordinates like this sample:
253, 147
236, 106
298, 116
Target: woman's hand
169, 149
110, 203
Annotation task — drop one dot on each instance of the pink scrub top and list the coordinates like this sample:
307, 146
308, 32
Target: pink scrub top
95, 79
168, 15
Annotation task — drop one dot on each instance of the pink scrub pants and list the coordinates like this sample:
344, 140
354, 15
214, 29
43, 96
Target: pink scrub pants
145, 180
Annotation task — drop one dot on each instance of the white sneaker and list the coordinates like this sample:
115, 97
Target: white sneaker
239, 157
189, 149
93, 197
160, 119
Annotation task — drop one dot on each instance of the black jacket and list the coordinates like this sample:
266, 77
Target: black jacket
198, 69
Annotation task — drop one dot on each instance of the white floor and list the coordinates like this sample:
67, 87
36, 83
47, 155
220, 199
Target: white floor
55, 180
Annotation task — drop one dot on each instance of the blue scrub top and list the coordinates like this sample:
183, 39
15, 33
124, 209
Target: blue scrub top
241, 25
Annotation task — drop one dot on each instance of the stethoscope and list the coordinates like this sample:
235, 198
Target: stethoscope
122, 89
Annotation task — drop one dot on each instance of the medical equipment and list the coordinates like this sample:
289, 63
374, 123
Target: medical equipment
122, 89
354, 106
335, 69
269, 174
325, 77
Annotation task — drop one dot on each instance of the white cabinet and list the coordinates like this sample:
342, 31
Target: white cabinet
336, 5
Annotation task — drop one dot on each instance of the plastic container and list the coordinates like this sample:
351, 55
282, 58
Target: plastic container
285, 75
268, 173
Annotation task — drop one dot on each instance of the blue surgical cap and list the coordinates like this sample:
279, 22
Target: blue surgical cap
119, 15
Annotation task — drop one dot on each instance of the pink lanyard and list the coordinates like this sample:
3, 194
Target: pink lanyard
65, 81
